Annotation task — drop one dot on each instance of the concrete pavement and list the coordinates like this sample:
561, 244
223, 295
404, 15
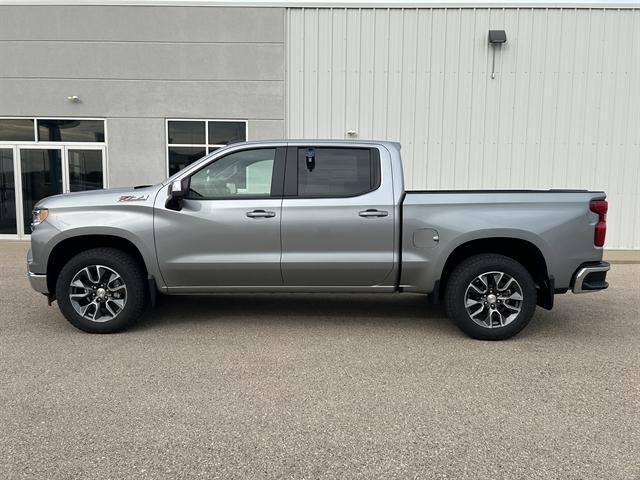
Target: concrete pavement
318, 386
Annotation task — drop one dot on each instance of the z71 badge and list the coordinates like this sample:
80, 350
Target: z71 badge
133, 198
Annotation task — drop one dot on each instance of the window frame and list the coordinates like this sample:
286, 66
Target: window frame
291, 172
208, 149
277, 177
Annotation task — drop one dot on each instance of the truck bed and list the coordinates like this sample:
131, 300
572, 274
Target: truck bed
544, 218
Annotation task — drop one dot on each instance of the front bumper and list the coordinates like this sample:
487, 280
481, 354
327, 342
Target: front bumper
38, 281
590, 277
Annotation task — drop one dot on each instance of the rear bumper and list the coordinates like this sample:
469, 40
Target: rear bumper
590, 277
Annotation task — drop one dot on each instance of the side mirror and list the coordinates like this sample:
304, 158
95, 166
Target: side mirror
177, 191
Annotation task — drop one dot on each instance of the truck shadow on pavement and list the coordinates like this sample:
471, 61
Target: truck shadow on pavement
413, 312
383, 309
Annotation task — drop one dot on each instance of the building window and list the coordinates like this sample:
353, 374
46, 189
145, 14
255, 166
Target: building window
17, 130
65, 130
190, 140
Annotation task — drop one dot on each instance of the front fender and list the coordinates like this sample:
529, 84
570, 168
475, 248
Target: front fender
135, 224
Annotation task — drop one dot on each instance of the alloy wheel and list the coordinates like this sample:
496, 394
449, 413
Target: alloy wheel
493, 299
98, 293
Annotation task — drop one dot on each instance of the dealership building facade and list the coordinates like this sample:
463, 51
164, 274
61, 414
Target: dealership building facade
99, 94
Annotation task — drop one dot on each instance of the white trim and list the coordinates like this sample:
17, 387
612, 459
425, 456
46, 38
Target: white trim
632, 4
206, 136
202, 145
206, 145
105, 163
58, 117
53, 144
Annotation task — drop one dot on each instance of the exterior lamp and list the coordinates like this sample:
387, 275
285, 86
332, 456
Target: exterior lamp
496, 39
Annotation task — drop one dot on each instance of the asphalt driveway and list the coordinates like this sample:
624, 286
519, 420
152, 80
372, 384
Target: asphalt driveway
317, 386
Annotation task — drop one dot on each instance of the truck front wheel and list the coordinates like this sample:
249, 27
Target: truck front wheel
101, 290
490, 297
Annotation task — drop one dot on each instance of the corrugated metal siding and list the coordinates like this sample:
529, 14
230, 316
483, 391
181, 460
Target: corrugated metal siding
562, 112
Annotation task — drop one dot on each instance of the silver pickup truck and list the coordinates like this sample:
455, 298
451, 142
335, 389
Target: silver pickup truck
315, 216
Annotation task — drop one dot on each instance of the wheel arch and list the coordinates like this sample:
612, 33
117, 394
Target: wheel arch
67, 248
520, 250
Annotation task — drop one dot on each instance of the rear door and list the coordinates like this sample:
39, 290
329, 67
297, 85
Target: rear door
337, 218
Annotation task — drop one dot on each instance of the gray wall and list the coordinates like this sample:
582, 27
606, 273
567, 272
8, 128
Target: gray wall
137, 65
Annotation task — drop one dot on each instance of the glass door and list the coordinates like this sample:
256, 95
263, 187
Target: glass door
85, 168
41, 175
8, 204
43, 171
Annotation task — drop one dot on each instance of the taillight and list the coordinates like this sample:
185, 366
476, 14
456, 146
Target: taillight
600, 207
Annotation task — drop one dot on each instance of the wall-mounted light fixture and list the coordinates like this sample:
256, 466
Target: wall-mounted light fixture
496, 39
74, 99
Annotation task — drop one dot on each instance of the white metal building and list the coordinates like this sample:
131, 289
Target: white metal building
173, 80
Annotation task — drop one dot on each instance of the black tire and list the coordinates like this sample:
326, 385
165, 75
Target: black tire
132, 276
456, 297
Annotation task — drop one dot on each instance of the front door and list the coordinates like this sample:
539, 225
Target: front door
338, 218
226, 231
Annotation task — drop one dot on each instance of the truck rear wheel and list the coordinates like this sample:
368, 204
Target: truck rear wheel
490, 297
101, 290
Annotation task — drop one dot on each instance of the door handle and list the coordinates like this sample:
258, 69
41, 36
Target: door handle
373, 213
261, 214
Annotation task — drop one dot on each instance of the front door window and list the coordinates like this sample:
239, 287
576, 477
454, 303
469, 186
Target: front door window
242, 174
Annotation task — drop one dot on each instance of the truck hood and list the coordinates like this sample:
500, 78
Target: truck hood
110, 197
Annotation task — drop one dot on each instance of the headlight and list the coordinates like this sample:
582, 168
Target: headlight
38, 216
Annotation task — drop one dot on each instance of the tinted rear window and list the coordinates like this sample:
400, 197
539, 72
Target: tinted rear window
335, 172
